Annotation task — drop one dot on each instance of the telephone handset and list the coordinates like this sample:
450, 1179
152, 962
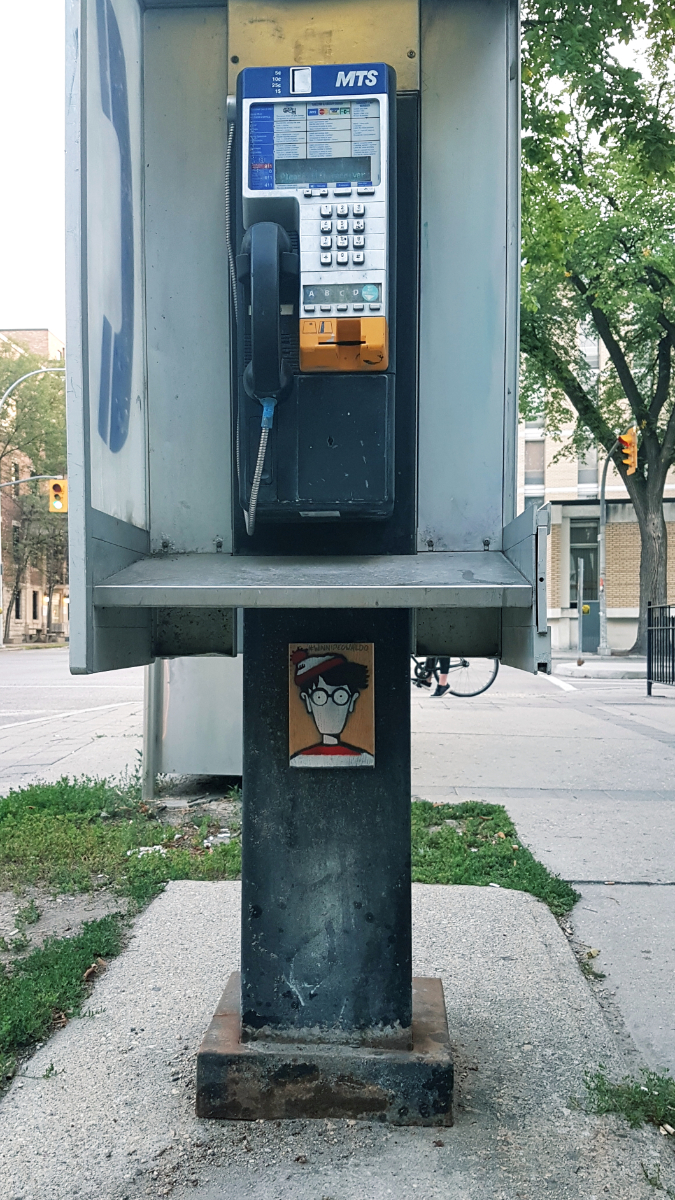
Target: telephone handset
315, 277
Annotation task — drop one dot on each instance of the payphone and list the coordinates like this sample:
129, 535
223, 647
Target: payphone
313, 267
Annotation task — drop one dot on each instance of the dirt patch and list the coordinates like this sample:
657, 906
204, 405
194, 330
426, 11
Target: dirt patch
57, 916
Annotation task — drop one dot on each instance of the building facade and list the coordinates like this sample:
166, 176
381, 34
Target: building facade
572, 486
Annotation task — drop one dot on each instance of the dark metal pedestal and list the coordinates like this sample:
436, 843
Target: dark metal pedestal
326, 988
247, 1081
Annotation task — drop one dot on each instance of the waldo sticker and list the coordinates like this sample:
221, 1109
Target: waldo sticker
331, 705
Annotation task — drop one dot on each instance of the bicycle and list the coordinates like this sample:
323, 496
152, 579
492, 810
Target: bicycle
470, 676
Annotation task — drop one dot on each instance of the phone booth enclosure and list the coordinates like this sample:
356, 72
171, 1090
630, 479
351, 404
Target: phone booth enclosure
150, 417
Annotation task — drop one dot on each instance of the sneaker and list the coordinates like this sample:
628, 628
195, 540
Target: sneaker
440, 691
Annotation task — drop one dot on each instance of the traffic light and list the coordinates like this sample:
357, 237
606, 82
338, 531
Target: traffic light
58, 495
629, 449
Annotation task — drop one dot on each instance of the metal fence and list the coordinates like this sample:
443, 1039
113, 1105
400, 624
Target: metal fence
660, 645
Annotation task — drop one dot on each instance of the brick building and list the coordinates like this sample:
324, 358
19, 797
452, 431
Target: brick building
29, 609
572, 487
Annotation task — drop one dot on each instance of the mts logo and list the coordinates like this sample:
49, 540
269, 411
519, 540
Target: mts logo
356, 79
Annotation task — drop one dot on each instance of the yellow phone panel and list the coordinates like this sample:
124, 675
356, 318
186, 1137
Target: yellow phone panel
344, 344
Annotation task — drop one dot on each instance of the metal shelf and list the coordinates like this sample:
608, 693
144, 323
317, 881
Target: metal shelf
434, 580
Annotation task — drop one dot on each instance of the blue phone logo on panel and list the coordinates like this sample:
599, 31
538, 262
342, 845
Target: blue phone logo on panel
117, 348
355, 78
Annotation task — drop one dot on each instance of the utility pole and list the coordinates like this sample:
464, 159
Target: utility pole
603, 647
3, 398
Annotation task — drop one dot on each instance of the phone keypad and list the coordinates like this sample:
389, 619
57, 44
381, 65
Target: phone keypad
340, 245
342, 241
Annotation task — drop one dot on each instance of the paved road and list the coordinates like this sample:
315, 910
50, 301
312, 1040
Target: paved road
588, 775
53, 723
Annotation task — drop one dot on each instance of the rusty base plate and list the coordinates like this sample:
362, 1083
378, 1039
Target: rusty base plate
247, 1081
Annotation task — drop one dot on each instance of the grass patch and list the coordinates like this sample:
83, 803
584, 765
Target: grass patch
477, 844
649, 1100
76, 835
47, 982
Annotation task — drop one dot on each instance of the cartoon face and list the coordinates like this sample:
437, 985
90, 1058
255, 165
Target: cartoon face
329, 706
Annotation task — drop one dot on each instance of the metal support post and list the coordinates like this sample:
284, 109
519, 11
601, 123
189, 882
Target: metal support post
330, 1021
580, 605
326, 933
650, 634
152, 714
603, 647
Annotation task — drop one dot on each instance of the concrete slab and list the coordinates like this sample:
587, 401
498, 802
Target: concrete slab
634, 930
115, 1118
609, 838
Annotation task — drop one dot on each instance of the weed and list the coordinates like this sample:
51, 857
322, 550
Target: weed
28, 915
589, 970
16, 944
651, 1100
654, 1178
55, 835
478, 844
50, 980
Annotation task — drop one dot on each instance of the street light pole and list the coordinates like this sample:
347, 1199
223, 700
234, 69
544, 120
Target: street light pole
10, 389
603, 647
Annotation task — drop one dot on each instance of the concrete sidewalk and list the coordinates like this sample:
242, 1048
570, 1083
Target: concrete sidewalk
115, 1118
588, 776
594, 667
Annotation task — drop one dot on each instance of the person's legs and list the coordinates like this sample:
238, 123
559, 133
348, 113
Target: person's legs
443, 670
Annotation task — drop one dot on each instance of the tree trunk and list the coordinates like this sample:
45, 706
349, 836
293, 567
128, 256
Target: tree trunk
653, 563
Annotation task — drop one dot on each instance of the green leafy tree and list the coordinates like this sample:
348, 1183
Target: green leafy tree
599, 241
32, 424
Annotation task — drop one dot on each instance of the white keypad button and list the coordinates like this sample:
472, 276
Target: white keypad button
326, 307
359, 226
326, 226
326, 210
342, 242
342, 226
342, 258
357, 257
342, 210
359, 210
359, 241
326, 259
342, 307
309, 307
366, 191
374, 307
358, 307
327, 242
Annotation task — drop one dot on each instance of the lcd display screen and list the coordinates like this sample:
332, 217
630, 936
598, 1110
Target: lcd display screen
291, 172
341, 293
